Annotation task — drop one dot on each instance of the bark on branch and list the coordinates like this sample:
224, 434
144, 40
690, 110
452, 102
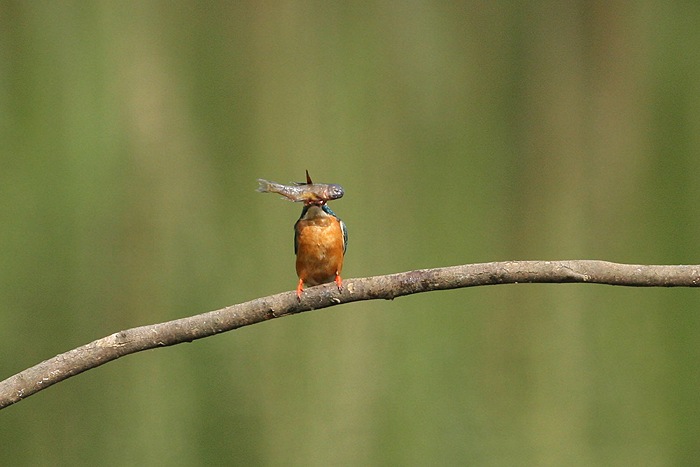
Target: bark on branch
101, 351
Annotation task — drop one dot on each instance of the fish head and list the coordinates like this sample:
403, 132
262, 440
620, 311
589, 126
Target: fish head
335, 191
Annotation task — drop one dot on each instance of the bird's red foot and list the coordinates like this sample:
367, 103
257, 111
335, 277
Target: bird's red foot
300, 289
339, 282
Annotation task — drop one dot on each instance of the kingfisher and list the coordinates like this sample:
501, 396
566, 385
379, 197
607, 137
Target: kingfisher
320, 237
320, 241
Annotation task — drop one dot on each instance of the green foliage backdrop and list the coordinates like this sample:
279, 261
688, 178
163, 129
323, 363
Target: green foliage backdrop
132, 135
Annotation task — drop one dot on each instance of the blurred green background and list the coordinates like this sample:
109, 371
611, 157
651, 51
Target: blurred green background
132, 135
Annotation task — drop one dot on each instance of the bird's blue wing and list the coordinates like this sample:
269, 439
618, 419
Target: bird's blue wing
296, 232
345, 235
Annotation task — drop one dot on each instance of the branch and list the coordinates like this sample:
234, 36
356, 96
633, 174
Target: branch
101, 351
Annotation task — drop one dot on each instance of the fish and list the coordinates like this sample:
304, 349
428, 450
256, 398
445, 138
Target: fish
309, 193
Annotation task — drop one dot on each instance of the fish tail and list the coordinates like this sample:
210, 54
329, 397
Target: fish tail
266, 186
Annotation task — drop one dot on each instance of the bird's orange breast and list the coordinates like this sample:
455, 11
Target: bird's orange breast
319, 250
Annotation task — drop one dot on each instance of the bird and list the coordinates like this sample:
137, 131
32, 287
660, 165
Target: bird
320, 242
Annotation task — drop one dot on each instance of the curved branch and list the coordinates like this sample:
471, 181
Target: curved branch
101, 351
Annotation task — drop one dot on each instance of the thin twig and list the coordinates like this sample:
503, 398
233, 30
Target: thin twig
101, 351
